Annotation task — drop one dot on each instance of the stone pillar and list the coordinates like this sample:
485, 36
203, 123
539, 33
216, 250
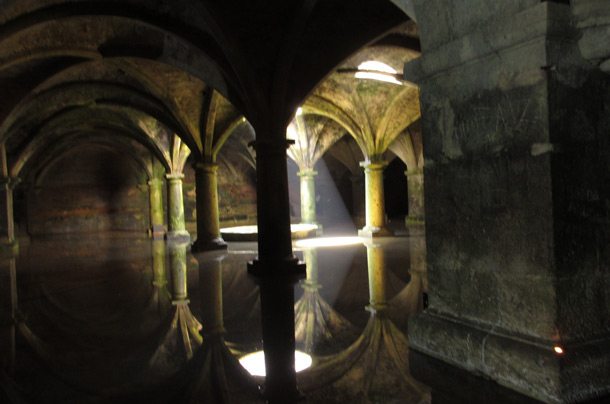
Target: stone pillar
415, 219
208, 217
177, 228
516, 153
308, 196
276, 268
374, 199
157, 225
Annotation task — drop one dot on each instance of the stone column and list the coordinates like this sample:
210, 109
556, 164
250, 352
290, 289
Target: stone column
516, 181
155, 192
415, 184
374, 199
208, 217
276, 268
308, 196
8, 241
177, 228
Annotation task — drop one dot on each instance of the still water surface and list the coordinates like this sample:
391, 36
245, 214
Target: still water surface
123, 319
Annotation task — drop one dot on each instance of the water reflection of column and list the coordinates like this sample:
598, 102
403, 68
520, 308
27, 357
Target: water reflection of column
177, 255
159, 274
377, 276
184, 321
311, 286
210, 287
7, 350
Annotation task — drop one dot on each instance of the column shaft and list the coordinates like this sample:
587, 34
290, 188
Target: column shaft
374, 200
176, 224
208, 217
308, 196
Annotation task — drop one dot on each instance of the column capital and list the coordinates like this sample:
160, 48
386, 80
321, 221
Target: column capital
266, 147
206, 167
9, 181
174, 176
307, 173
373, 165
155, 181
416, 171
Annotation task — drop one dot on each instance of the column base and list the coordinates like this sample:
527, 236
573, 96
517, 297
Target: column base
372, 232
530, 367
201, 245
178, 236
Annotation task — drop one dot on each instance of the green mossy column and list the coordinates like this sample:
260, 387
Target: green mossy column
377, 276
374, 200
177, 229
208, 222
308, 196
155, 192
415, 185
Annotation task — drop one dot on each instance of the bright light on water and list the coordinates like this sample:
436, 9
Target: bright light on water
254, 363
328, 242
253, 229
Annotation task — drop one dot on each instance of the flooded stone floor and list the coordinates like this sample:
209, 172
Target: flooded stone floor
96, 319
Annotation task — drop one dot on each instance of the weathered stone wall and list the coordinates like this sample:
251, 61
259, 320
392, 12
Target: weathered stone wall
516, 197
88, 189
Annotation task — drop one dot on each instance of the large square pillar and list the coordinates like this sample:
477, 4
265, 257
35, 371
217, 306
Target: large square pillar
516, 198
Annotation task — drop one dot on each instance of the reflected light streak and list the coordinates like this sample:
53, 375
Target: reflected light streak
253, 229
254, 362
329, 241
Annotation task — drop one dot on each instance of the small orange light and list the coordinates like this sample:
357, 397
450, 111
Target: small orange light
558, 350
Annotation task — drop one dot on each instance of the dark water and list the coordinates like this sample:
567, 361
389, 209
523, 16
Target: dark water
121, 319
